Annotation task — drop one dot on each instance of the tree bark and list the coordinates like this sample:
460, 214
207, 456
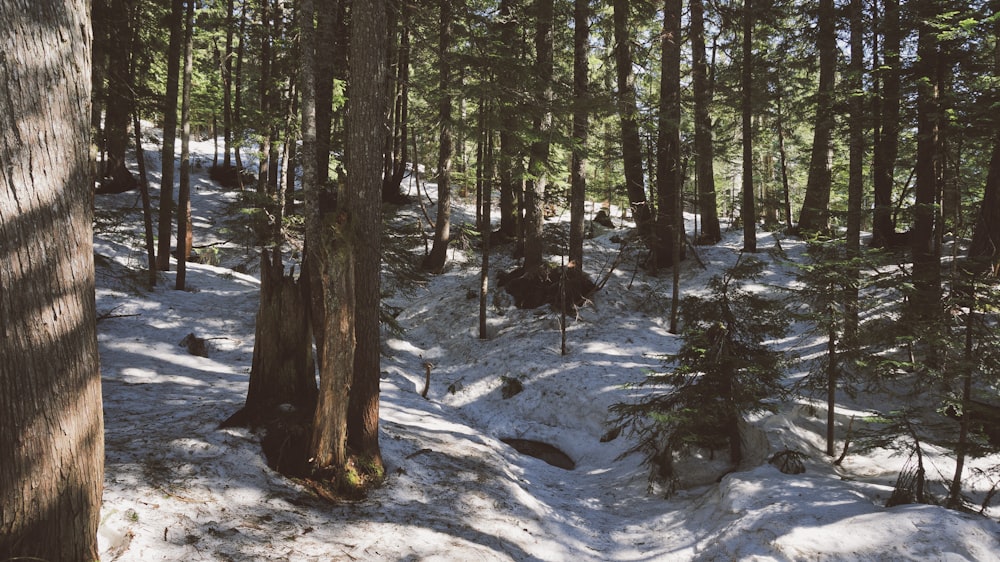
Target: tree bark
581, 126
629, 113
668, 143
331, 280
815, 214
925, 301
52, 442
748, 211
227, 88
886, 143
711, 231
366, 126
184, 238
510, 147
118, 108
167, 157
442, 223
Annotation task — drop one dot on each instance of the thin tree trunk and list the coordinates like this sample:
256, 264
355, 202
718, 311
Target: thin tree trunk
855, 185
118, 110
147, 211
748, 211
238, 97
184, 194
508, 160
52, 436
668, 165
167, 157
581, 126
227, 88
326, 22
704, 151
435, 261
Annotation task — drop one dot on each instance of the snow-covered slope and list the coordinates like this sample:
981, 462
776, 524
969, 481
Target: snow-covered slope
179, 488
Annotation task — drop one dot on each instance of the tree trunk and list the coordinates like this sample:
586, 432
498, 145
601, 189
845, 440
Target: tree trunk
366, 122
184, 239
815, 213
581, 125
326, 22
238, 96
855, 185
227, 88
629, 114
283, 371
668, 156
331, 269
52, 441
986, 234
538, 162
886, 144
711, 231
926, 253
442, 223
748, 212
508, 160
118, 110
167, 158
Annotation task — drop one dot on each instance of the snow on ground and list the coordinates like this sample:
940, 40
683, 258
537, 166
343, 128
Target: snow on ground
179, 488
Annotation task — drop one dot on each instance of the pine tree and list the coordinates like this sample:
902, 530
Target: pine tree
723, 372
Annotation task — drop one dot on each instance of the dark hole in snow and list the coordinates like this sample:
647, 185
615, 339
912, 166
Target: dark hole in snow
540, 450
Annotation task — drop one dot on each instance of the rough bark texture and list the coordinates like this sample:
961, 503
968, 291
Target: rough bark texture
283, 371
442, 222
711, 231
331, 280
52, 437
366, 125
815, 213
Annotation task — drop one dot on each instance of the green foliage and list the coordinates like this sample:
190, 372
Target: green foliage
723, 372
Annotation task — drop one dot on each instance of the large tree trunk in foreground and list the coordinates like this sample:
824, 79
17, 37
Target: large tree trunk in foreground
51, 422
366, 121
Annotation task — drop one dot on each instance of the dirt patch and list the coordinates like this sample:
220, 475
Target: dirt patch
542, 451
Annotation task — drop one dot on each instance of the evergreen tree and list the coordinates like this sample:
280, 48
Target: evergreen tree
723, 372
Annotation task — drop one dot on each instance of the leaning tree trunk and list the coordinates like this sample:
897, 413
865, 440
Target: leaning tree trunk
52, 436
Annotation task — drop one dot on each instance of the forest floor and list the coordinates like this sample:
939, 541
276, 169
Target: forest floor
179, 488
